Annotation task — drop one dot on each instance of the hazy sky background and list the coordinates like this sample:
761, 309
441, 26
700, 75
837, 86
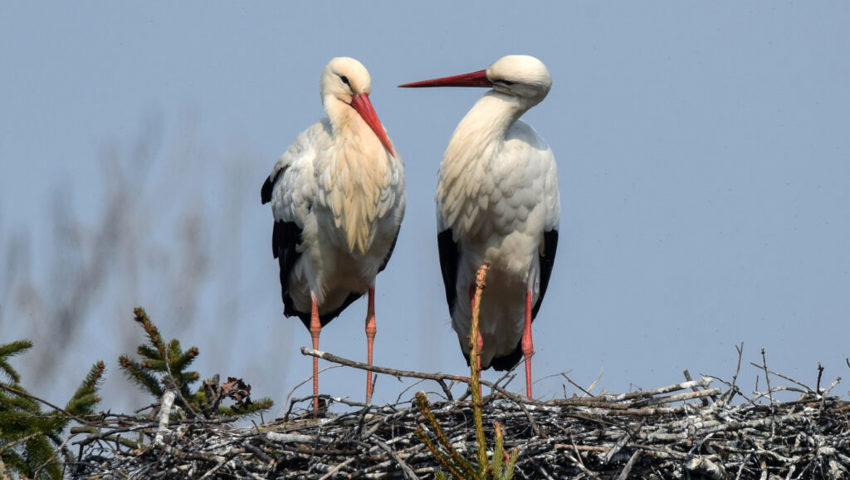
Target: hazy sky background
703, 153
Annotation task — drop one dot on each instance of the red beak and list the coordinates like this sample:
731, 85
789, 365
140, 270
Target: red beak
364, 107
471, 79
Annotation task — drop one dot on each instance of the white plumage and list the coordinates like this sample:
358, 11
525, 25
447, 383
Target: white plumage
498, 201
337, 196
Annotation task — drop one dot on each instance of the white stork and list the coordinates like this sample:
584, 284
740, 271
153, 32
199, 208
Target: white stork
337, 196
498, 201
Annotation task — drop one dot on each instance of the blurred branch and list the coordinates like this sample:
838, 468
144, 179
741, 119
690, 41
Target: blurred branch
146, 231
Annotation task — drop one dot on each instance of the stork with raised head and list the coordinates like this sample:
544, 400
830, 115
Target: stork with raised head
498, 202
337, 196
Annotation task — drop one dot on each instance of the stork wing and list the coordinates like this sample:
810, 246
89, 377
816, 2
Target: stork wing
449, 256
552, 206
547, 261
291, 189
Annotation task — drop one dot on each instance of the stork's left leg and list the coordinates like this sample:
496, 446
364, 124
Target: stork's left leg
527, 344
315, 331
371, 330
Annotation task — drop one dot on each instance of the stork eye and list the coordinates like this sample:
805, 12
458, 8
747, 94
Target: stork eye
345, 80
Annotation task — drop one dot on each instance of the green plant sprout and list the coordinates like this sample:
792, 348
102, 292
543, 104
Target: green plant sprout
500, 466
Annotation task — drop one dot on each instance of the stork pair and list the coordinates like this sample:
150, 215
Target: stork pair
337, 196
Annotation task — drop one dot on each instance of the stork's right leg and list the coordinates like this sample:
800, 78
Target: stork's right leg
315, 330
371, 330
527, 343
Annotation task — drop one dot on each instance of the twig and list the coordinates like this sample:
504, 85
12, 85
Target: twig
576, 385
220, 464
688, 378
628, 468
807, 389
408, 472
531, 420
596, 381
734, 389
767, 380
703, 382
337, 468
300, 384
627, 435
329, 357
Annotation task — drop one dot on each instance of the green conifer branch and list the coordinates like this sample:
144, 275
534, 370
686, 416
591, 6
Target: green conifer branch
40, 456
141, 376
84, 399
148, 352
184, 359
173, 350
163, 366
14, 462
253, 408
17, 402
264, 403
30, 439
15, 348
9, 350
9, 371
444, 459
422, 403
83, 404
153, 334
154, 364
187, 378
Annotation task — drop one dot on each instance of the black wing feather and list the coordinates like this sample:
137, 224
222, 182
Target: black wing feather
286, 236
268, 186
449, 258
285, 239
547, 262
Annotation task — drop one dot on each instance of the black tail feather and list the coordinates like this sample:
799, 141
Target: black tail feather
505, 362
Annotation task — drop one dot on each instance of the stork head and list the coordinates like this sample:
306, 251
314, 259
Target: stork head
521, 76
346, 82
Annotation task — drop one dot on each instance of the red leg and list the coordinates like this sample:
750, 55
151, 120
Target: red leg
371, 330
527, 344
315, 330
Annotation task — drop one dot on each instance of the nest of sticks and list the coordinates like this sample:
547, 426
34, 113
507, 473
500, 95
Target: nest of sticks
704, 428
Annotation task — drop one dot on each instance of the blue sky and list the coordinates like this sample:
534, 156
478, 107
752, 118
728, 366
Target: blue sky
703, 154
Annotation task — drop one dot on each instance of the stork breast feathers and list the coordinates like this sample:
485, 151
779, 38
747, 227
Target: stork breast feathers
362, 186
